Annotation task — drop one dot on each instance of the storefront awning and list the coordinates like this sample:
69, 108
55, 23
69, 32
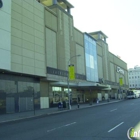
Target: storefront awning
82, 85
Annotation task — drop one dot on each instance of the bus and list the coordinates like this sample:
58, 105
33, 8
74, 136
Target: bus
132, 94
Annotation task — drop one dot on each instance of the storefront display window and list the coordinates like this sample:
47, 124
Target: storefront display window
56, 89
91, 59
18, 94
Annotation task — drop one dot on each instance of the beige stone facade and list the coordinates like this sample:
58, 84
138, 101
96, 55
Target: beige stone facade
42, 41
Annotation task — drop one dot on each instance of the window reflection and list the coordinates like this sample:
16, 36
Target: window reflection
66, 90
56, 89
17, 96
59, 95
91, 59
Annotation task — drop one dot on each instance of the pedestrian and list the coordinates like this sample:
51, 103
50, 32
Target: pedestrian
97, 100
103, 98
78, 99
60, 105
78, 102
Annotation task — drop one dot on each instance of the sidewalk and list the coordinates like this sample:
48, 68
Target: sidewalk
5, 118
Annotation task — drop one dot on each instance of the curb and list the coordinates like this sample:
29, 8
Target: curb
56, 112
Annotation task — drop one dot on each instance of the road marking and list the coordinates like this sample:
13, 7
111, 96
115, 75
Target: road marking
132, 103
113, 110
70, 124
115, 127
51, 130
61, 127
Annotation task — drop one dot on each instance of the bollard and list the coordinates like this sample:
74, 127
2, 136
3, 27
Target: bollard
108, 99
78, 105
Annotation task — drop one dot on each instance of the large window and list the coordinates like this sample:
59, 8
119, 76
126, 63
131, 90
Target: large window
66, 90
91, 59
18, 94
56, 89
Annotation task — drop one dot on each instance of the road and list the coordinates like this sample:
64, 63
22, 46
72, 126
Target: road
107, 122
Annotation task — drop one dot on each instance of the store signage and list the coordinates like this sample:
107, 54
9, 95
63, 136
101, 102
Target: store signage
119, 70
1, 3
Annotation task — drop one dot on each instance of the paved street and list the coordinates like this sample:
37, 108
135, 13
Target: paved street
106, 122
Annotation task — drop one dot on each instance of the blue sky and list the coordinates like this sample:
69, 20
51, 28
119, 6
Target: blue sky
118, 19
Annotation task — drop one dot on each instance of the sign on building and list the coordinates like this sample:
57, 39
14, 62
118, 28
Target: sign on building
119, 70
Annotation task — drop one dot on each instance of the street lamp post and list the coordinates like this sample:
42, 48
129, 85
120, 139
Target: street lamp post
68, 79
119, 86
34, 101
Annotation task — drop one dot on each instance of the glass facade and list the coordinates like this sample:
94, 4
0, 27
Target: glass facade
91, 59
18, 94
59, 95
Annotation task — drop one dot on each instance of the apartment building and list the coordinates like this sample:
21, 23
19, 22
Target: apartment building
134, 77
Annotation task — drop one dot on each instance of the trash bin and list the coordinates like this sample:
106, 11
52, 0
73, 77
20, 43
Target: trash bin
108, 100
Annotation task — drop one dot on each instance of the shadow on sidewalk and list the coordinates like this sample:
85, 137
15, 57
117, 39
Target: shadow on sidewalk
5, 118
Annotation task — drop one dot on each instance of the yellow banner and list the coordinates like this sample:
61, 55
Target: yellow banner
47, 2
71, 72
121, 81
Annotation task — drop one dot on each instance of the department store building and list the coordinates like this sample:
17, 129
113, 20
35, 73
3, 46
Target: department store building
37, 43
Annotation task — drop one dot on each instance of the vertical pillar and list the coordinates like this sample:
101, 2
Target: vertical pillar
44, 95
